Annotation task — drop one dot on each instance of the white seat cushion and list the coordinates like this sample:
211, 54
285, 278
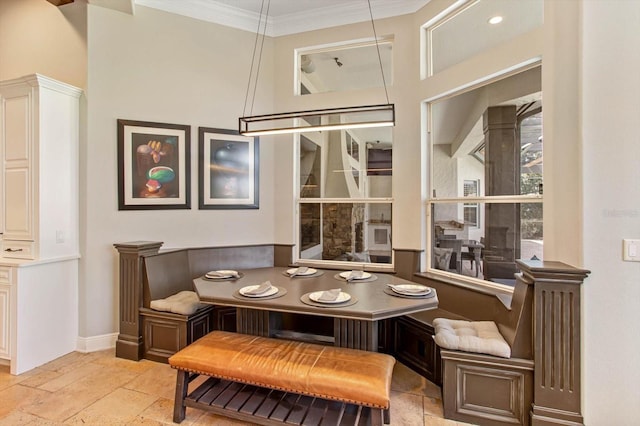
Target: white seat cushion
471, 336
184, 303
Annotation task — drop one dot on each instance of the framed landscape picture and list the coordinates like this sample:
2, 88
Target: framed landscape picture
228, 170
153, 165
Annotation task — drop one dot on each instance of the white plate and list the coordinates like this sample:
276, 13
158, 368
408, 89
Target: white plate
310, 271
342, 297
364, 275
411, 289
223, 273
243, 291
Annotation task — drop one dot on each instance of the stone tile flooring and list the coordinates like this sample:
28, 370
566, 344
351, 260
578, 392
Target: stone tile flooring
99, 389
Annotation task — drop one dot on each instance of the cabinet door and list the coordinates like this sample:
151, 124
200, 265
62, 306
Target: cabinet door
15, 140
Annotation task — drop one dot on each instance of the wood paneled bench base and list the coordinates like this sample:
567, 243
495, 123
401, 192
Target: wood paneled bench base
272, 381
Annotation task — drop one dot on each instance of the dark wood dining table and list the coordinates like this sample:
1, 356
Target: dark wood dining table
290, 314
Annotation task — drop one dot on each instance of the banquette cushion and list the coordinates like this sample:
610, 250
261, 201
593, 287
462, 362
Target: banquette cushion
184, 303
471, 336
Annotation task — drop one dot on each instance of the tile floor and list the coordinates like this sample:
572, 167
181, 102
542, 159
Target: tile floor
99, 389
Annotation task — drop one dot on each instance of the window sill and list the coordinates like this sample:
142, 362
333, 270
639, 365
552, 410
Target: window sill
503, 292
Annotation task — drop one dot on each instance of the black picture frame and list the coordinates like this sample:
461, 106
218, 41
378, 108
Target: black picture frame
154, 165
228, 169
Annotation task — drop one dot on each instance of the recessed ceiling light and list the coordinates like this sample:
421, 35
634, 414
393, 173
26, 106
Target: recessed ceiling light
495, 20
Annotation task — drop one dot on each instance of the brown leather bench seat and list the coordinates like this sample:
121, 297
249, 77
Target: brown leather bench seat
305, 380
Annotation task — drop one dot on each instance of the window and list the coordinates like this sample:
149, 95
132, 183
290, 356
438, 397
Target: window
486, 180
344, 211
471, 209
344, 66
450, 42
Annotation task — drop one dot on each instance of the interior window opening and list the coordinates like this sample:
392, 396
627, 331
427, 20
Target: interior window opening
487, 180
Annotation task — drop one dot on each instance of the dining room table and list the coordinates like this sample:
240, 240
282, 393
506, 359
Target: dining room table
293, 305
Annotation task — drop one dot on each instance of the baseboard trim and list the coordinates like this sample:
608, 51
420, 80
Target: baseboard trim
97, 343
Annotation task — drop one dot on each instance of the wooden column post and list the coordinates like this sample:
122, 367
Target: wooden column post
129, 344
557, 387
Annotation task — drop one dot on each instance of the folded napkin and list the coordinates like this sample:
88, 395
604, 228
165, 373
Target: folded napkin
330, 295
262, 288
218, 274
299, 271
409, 290
354, 275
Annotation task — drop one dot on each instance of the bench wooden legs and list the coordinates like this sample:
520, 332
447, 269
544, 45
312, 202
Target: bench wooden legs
182, 384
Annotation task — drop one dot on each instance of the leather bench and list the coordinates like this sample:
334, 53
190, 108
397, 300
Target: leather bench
271, 381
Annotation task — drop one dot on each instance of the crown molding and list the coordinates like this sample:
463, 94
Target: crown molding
292, 23
348, 13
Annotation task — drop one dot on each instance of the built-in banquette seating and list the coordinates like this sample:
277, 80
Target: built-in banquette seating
540, 322
477, 388
156, 334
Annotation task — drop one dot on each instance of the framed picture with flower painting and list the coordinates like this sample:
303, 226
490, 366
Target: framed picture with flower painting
228, 170
153, 165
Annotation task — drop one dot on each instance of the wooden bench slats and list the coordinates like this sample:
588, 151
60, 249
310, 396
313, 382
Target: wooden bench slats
197, 393
333, 413
349, 415
254, 402
273, 406
286, 406
227, 395
269, 404
213, 392
315, 412
300, 410
241, 398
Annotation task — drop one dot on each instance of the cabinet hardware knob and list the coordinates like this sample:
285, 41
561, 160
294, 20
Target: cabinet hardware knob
10, 249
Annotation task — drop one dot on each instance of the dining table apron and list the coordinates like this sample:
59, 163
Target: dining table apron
355, 325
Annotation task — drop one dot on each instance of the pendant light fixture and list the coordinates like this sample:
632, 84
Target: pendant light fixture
313, 120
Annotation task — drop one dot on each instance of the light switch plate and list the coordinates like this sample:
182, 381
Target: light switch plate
631, 250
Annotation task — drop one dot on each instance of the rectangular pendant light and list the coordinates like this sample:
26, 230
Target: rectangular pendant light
321, 119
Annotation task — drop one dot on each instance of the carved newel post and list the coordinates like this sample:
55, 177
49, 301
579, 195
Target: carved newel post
557, 388
129, 344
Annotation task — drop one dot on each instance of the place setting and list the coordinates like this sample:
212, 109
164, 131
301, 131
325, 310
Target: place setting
302, 272
328, 298
356, 276
262, 291
409, 291
223, 275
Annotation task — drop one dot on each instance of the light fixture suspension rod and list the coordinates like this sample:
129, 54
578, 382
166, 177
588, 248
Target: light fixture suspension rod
375, 36
253, 58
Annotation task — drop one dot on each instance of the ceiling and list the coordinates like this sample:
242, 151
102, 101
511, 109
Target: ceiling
285, 16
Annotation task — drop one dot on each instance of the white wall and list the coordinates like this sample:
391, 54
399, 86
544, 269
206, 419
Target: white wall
36, 36
158, 67
610, 91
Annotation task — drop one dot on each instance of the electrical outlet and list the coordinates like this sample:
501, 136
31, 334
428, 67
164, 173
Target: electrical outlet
631, 250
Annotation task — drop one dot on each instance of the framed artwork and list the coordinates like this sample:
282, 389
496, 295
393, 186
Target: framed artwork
153, 165
228, 170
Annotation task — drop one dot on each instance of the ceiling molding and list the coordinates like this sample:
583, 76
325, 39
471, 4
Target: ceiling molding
349, 13
60, 2
126, 6
293, 23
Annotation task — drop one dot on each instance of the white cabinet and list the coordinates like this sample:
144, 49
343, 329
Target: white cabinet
39, 162
5, 313
39, 220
